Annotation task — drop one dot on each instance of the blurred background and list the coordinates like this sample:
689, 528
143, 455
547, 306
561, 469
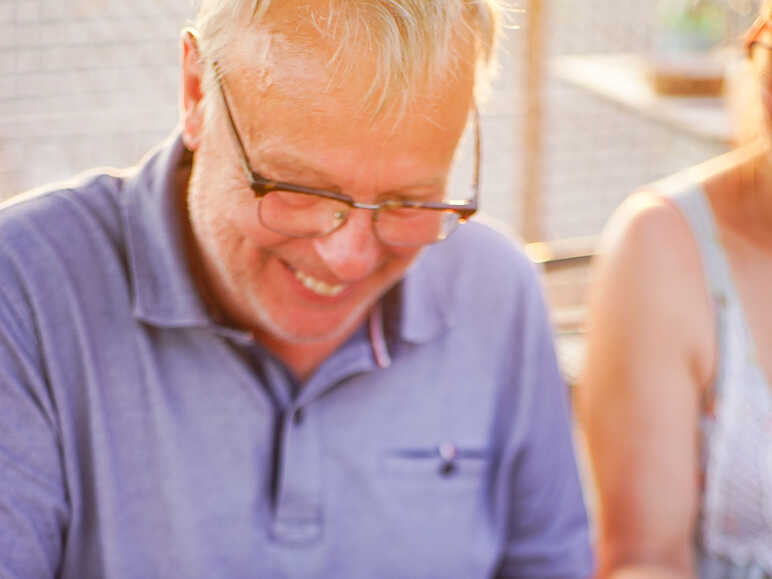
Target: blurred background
593, 98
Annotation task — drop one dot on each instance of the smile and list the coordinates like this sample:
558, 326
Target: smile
318, 287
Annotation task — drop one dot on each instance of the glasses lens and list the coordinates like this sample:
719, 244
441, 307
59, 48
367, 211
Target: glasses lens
301, 215
412, 227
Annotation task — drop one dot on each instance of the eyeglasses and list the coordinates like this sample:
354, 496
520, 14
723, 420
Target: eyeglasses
752, 41
307, 212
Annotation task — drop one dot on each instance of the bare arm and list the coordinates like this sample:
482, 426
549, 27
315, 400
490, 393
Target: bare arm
650, 350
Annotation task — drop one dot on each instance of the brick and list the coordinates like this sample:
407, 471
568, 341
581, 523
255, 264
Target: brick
28, 11
9, 128
36, 175
11, 154
49, 34
36, 84
23, 35
73, 57
7, 12
8, 35
89, 8
54, 10
119, 55
83, 81
7, 61
57, 58
142, 30
52, 153
7, 86
49, 126
161, 52
29, 60
106, 79
10, 184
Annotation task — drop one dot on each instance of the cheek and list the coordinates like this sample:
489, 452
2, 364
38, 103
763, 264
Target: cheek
208, 216
218, 201
219, 227
233, 238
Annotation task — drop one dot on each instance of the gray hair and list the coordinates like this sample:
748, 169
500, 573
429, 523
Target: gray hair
414, 39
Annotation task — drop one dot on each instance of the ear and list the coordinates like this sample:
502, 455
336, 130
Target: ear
191, 102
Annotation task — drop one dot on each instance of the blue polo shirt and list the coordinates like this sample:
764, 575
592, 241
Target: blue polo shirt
139, 438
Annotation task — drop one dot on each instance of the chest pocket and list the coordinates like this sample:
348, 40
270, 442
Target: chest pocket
444, 465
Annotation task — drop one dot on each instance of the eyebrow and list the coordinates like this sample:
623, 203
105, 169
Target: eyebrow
294, 167
290, 167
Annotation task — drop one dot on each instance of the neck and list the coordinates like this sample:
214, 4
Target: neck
304, 358
761, 204
742, 193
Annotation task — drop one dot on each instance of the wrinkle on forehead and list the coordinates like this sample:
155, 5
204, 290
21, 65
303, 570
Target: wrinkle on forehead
281, 72
327, 48
292, 79
254, 58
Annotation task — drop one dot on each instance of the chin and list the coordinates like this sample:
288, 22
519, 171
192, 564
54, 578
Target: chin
304, 333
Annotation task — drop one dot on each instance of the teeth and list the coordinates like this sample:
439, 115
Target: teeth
318, 287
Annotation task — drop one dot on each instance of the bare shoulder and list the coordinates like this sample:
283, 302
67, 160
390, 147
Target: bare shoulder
649, 247
649, 282
649, 229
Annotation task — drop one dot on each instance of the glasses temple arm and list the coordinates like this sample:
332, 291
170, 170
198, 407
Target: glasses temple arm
232, 125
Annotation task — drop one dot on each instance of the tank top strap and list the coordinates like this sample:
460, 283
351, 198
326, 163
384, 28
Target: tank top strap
695, 207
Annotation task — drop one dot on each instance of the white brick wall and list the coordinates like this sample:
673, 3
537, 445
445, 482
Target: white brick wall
84, 83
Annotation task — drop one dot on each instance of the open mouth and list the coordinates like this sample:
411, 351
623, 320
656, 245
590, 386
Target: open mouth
317, 286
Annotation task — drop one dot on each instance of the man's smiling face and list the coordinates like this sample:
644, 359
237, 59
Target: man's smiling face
302, 124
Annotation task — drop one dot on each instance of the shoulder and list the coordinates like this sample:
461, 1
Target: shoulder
649, 234
62, 217
56, 238
485, 283
94, 192
648, 281
482, 256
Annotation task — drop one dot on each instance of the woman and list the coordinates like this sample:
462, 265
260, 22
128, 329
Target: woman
676, 396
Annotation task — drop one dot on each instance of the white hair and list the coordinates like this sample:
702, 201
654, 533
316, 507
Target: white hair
414, 40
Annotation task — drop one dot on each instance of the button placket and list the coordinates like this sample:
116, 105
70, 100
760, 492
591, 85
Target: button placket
298, 514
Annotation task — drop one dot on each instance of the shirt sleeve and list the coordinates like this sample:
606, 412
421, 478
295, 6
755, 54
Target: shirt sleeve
539, 495
33, 502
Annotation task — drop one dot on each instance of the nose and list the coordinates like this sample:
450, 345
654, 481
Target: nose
351, 252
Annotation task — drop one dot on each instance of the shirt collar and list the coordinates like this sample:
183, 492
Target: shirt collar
165, 293
419, 307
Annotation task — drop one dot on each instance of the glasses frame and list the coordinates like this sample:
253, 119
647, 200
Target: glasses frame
261, 186
751, 38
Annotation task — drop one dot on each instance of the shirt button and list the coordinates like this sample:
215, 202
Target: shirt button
447, 468
298, 416
448, 453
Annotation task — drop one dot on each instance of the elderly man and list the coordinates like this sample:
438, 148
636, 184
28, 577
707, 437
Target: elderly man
252, 357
